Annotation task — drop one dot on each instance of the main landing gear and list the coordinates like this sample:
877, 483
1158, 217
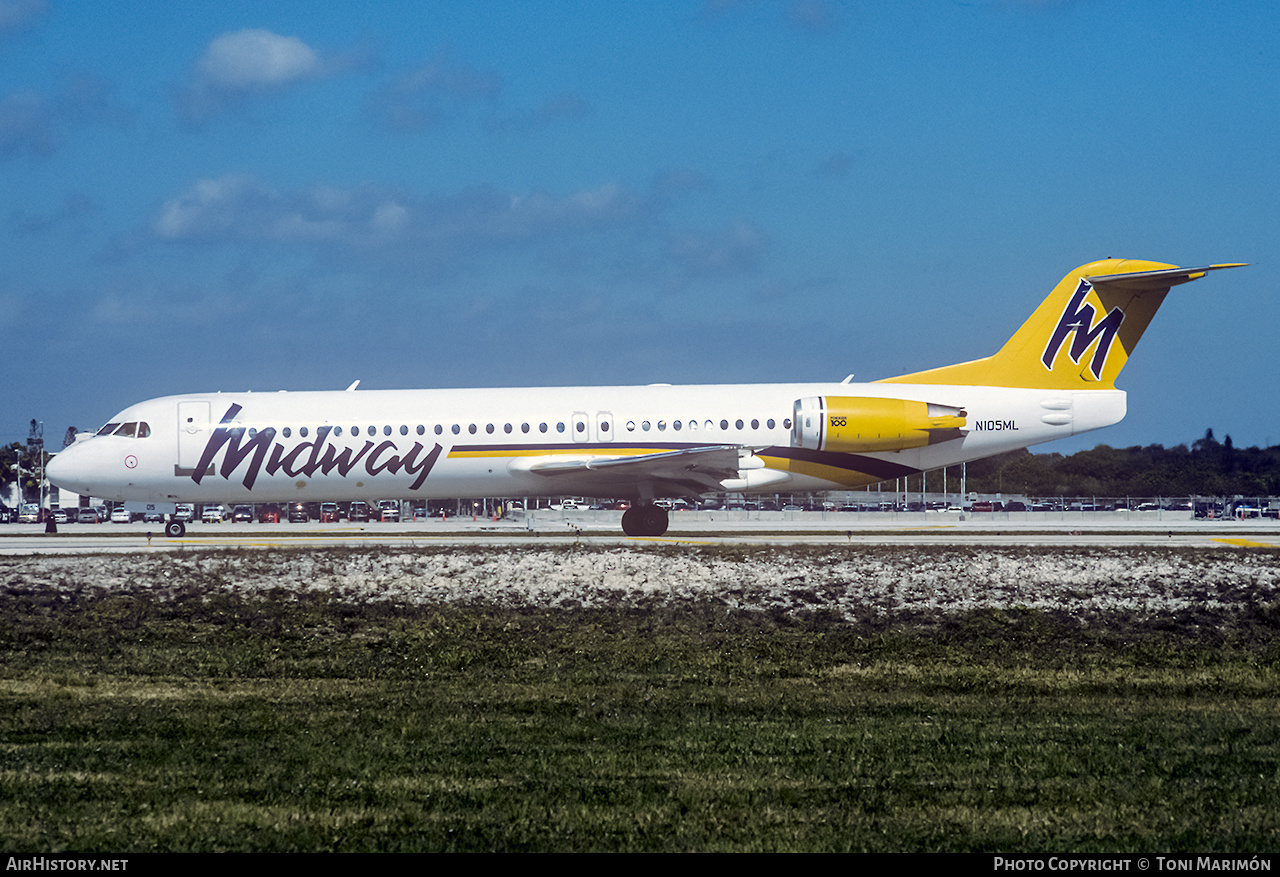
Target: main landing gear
175, 529
644, 520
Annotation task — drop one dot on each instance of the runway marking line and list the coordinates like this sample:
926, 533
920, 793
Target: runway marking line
1246, 543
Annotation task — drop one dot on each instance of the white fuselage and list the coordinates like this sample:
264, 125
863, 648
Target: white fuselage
409, 444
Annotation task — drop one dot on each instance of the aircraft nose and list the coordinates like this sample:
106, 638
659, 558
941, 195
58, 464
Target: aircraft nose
62, 470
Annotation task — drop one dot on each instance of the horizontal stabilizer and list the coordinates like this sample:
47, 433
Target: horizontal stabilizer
1143, 281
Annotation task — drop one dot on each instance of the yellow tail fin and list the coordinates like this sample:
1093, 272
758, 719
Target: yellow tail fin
1080, 336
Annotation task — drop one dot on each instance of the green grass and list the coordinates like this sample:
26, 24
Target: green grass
202, 721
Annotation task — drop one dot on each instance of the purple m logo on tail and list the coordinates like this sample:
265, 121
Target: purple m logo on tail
1078, 317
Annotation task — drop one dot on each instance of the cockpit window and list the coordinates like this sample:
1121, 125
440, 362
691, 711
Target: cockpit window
132, 429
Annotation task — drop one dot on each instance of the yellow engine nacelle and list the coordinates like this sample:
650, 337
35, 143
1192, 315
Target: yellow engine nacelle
858, 424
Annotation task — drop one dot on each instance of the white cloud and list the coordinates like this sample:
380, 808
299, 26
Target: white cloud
239, 66
390, 217
208, 208
255, 59
239, 208
374, 229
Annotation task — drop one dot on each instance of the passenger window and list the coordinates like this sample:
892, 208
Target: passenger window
662, 426
770, 423
737, 424
456, 429
580, 426
724, 424
286, 432
472, 429
422, 430
386, 430
755, 424
675, 424
542, 427
631, 426
560, 426
337, 431
524, 427
644, 424
439, 429
373, 430
488, 427
506, 427
404, 430
303, 432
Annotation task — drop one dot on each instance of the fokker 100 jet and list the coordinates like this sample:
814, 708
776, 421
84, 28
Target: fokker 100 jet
1055, 377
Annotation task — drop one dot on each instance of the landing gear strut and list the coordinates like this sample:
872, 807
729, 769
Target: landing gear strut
645, 520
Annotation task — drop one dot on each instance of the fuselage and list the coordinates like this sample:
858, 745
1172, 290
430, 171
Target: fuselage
408, 444
1054, 377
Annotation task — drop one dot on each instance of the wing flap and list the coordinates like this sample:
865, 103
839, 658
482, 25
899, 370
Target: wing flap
722, 460
688, 471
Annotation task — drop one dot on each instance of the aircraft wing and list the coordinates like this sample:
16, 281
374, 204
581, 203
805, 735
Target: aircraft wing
689, 471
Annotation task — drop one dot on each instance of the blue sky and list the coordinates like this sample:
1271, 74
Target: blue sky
235, 196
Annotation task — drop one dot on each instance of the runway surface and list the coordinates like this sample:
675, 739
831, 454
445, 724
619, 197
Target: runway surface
603, 528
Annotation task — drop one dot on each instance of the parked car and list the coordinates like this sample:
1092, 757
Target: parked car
184, 511
213, 514
242, 513
329, 513
121, 516
269, 514
87, 516
298, 513
359, 511
389, 511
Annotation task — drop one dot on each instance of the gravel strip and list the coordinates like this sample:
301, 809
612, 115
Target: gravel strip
854, 584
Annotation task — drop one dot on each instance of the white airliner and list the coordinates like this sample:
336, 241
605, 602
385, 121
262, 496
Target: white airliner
1055, 377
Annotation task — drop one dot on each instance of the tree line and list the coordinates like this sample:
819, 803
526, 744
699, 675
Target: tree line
1206, 468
